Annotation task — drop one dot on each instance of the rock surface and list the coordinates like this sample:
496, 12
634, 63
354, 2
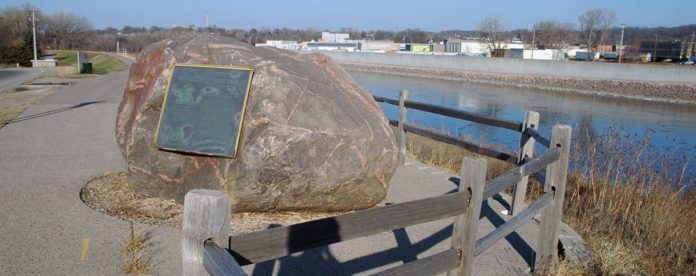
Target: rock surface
312, 139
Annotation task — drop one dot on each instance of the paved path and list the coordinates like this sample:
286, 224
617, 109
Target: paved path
368, 255
59, 144
46, 156
13, 77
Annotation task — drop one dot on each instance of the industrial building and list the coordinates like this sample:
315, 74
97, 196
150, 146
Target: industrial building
380, 46
334, 37
333, 46
418, 47
281, 44
466, 47
662, 50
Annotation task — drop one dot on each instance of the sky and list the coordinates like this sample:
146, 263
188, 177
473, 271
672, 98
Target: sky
366, 15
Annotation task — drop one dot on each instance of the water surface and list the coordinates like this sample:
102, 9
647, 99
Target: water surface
670, 128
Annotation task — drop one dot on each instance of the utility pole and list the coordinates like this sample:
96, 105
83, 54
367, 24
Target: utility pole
33, 28
621, 43
654, 57
533, 42
206, 19
692, 44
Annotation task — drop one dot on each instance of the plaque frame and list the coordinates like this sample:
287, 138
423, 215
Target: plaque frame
241, 120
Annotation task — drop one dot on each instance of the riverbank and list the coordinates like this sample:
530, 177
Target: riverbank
633, 217
663, 92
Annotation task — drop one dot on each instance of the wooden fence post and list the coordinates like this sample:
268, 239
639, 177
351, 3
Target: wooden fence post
531, 120
206, 216
473, 180
403, 96
556, 173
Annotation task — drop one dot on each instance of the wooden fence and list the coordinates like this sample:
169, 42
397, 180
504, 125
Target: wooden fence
208, 248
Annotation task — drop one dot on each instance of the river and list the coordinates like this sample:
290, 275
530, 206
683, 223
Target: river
671, 129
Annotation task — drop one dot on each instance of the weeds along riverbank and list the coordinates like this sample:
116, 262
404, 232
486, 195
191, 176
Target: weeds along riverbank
631, 205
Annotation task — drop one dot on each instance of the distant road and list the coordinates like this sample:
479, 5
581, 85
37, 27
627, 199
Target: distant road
12, 77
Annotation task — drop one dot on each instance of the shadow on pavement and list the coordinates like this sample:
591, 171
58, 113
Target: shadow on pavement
321, 261
51, 112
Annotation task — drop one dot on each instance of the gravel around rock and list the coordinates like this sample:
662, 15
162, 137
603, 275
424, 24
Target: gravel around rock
111, 194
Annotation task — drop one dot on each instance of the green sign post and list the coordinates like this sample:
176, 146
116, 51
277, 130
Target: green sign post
203, 109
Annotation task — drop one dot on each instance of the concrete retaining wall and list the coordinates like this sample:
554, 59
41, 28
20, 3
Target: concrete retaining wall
573, 69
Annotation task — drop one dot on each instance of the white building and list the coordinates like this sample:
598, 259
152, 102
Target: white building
548, 54
332, 46
334, 37
280, 44
467, 47
380, 46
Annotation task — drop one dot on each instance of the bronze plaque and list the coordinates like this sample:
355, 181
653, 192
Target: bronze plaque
203, 109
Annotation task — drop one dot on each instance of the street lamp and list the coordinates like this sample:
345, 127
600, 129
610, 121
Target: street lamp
621, 44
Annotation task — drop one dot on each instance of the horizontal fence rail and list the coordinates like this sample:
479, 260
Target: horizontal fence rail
538, 137
273, 243
219, 262
454, 113
515, 174
206, 212
497, 154
513, 224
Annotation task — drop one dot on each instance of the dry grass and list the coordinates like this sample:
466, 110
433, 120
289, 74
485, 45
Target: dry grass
628, 203
16, 100
138, 252
449, 157
110, 193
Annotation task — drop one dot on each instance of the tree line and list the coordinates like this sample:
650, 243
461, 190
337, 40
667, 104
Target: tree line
64, 31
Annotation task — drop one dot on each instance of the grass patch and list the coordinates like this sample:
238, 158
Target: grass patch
13, 103
66, 58
626, 202
138, 253
101, 63
104, 64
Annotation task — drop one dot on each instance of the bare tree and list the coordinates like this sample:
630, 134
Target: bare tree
66, 30
15, 23
595, 26
552, 34
493, 33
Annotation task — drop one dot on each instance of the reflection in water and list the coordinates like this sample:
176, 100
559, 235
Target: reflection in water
669, 128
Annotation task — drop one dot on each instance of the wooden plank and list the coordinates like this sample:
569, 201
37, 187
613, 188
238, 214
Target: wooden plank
538, 137
514, 223
219, 262
386, 100
206, 216
435, 264
515, 174
454, 113
539, 176
531, 121
277, 242
505, 156
403, 96
547, 252
473, 180
472, 117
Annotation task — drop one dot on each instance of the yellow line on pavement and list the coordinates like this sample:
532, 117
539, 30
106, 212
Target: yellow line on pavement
85, 249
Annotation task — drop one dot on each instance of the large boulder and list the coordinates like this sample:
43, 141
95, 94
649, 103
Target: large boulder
312, 139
